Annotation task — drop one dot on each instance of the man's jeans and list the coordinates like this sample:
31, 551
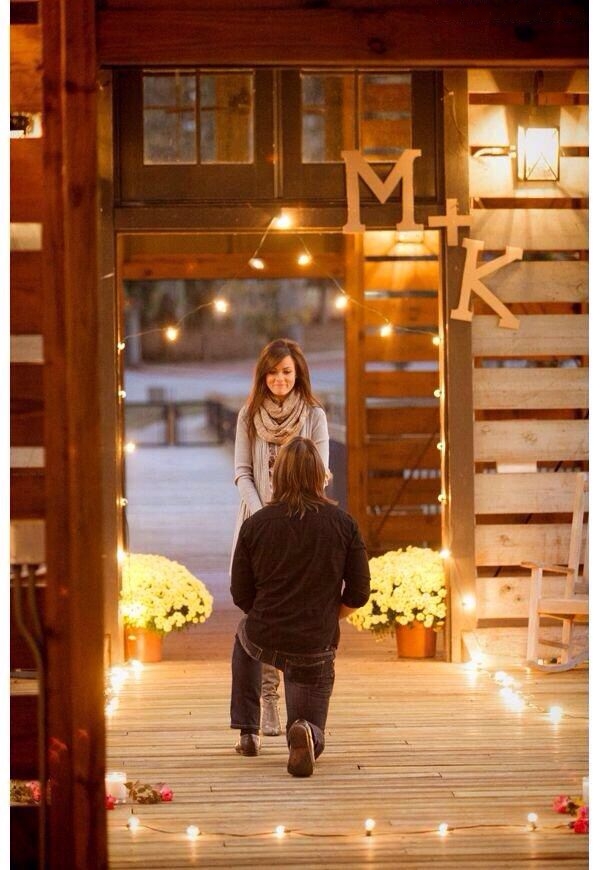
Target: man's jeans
308, 680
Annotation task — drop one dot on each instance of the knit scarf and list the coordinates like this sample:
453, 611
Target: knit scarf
277, 423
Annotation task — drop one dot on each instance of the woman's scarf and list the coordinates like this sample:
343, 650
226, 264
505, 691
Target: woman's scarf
277, 423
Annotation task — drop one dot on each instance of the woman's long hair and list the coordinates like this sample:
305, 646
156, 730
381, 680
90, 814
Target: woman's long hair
299, 477
271, 356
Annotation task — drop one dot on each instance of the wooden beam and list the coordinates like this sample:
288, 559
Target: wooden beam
152, 267
25, 179
25, 292
453, 33
25, 68
75, 637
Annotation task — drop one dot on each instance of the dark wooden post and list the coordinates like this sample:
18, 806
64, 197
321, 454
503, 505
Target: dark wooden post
75, 693
457, 405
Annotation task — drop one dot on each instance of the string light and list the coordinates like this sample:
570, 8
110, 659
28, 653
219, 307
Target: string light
341, 302
386, 330
283, 221
445, 553
133, 822
304, 259
257, 263
280, 831
555, 714
438, 393
129, 446
369, 826
221, 305
436, 340
443, 829
532, 821
468, 602
440, 445
442, 498
123, 501
121, 394
121, 345
193, 832
171, 333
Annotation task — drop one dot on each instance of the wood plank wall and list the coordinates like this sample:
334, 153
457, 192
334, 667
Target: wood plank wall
27, 454
394, 461
530, 386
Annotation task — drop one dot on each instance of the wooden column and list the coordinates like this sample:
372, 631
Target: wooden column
75, 695
457, 376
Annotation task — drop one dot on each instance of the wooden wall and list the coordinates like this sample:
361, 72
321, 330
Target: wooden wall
530, 385
27, 454
393, 417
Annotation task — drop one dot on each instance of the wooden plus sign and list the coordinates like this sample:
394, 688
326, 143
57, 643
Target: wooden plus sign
451, 220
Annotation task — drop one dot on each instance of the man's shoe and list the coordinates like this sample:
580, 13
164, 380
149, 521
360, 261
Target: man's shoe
302, 751
270, 723
248, 744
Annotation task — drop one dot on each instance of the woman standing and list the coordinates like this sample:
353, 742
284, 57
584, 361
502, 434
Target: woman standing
281, 405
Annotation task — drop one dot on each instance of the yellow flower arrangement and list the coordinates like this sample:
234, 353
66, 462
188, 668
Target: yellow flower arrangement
160, 594
406, 586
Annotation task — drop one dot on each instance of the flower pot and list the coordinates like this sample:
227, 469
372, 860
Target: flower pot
143, 644
414, 641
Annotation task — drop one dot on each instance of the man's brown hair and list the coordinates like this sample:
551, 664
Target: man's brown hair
299, 477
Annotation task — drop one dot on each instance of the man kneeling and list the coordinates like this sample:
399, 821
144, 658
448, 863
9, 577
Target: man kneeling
299, 566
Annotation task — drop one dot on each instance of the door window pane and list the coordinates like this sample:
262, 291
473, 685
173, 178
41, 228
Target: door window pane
169, 118
385, 115
327, 117
227, 118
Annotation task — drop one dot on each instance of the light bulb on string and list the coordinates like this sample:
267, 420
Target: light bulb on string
442, 498
280, 831
438, 393
129, 446
369, 826
468, 602
121, 345
121, 394
386, 330
192, 832
133, 822
221, 306
532, 821
436, 340
555, 714
257, 263
443, 829
304, 259
445, 553
171, 333
283, 221
440, 445
341, 302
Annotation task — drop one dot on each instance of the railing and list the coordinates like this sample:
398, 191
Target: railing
193, 423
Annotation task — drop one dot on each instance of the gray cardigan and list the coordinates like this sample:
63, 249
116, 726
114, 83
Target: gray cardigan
252, 463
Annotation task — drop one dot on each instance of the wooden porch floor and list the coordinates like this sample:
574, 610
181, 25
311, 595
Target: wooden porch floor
410, 744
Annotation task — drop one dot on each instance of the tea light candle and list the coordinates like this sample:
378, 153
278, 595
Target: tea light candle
114, 783
585, 790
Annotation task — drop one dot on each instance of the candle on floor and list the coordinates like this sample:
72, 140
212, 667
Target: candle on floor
114, 783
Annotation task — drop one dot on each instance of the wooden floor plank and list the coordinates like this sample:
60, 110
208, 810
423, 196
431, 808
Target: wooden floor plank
409, 743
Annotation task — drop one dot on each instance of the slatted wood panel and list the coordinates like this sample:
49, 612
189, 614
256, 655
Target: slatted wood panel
392, 380
393, 753
525, 413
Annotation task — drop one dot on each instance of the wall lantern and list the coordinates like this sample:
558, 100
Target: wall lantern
537, 153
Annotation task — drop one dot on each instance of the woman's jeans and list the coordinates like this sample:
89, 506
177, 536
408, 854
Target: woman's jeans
308, 680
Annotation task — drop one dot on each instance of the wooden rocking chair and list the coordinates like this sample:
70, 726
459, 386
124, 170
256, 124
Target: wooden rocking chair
570, 606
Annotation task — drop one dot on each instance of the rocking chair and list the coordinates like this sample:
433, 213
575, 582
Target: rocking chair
572, 603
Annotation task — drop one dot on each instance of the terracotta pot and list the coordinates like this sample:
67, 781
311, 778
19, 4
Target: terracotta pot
143, 644
414, 641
